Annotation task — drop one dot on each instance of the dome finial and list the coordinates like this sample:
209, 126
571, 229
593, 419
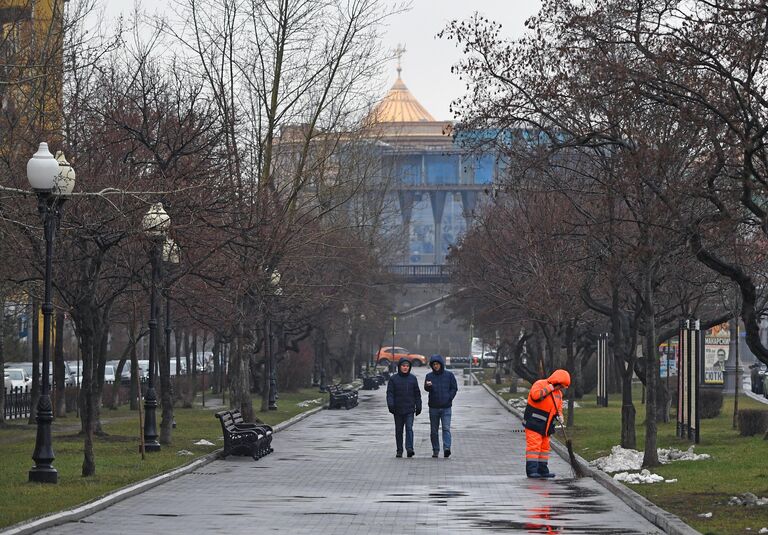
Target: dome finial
399, 51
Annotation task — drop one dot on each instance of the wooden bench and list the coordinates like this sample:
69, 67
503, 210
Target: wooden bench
341, 397
243, 439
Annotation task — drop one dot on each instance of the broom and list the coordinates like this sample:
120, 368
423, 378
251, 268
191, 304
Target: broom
578, 470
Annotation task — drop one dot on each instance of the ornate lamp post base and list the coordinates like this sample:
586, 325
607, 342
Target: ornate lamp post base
43, 471
150, 422
43, 474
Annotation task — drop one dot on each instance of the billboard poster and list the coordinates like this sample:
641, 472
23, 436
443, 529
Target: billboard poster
668, 358
716, 345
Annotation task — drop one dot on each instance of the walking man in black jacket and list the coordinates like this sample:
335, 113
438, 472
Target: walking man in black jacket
403, 401
442, 388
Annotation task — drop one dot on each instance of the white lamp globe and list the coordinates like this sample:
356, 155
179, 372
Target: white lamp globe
65, 180
42, 169
156, 221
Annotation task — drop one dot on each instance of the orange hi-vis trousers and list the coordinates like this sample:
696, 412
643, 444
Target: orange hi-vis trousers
536, 447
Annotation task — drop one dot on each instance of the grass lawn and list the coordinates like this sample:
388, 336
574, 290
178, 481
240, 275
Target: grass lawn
738, 464
118, 462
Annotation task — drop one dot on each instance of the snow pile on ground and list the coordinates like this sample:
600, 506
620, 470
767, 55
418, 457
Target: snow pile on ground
747, 499
624, 460
309, 402
763, 530
705, 515
203, 442
642, 477
518, 403
184, 452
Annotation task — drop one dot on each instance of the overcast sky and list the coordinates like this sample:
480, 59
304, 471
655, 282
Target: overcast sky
427, 61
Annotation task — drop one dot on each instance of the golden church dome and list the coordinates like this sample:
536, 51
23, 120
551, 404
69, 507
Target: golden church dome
399, 106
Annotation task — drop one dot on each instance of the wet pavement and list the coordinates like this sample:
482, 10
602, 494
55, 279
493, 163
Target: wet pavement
336, 472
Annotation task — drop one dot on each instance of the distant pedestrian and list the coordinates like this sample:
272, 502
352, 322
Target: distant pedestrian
545, 403
404, 401
442, 388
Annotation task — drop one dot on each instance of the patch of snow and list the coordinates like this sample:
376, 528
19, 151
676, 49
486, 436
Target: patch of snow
642, 477
203, 442
184, 452
705, 515
763, 530
670, 481
624, 460
309, 402
518, 403
748, 499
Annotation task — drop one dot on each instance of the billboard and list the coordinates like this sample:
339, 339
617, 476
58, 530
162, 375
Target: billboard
716, 346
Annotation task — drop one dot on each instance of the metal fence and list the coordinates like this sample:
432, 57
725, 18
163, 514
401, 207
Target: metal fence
18, 403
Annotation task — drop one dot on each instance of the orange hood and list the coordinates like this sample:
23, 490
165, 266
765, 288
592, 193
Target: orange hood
560, 377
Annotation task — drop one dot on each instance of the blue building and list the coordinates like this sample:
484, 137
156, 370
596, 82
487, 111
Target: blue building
438, 179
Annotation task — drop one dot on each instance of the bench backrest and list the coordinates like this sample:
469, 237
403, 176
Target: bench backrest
227, 422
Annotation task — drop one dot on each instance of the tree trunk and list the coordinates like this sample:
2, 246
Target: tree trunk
178, 338
216, 379
100, 365
651, 455
737, 371
628, 435
59, 375
86, 397
166, 393
570, 365
267, 367
193, 370
2, 356
240, 379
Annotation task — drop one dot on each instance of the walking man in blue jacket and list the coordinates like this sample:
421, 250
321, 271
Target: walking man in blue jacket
403, 401
442, 388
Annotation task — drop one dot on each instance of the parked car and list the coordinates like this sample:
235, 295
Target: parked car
18, 378
394, 354
125, 377
488, 359
462, 361
7, 381
27, 367
109, 373
182, 369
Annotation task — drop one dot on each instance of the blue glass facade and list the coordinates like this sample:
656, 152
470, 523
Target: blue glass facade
437, 215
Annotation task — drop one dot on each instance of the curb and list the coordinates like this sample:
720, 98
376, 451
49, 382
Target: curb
86, 509
664, 520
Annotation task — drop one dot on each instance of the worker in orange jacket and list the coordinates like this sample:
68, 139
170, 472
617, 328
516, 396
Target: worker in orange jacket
545, 403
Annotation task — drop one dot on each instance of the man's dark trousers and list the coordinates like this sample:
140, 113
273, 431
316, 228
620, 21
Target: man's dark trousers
404, 420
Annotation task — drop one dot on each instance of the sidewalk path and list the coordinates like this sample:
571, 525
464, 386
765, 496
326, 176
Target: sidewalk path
336, 472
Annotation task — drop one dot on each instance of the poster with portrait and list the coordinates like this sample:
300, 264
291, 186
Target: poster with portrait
716, 345
668, 358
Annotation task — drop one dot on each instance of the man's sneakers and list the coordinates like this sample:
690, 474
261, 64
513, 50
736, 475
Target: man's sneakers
446, 453
410, 453
399, 454
435, 454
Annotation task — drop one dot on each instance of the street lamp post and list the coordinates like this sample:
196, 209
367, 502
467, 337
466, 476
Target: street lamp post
394, 328
155, 224
52, 179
